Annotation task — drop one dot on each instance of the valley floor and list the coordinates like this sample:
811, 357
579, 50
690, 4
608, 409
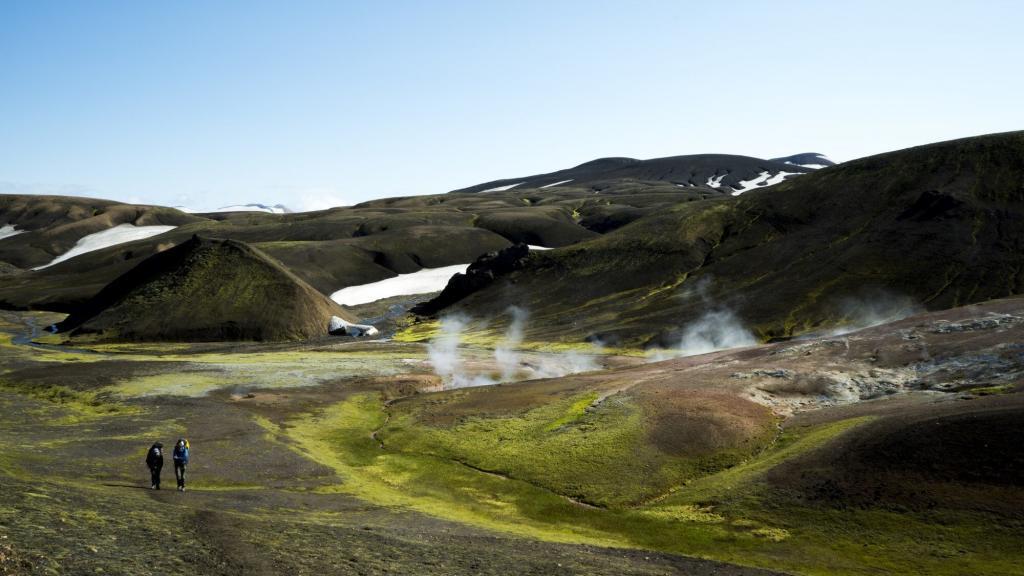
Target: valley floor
802, 457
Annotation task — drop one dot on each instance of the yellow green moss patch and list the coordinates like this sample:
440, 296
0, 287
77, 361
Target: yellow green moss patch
192, 384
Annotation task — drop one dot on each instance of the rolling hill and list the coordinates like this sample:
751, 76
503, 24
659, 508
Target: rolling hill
205, 290
937, 226
52, 225
644, 252
331, 249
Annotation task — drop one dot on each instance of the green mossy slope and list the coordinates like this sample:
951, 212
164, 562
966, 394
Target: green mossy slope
205, 290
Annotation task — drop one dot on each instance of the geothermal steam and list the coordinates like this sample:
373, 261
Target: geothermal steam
880, 307
445, 356
715, 330
443, 352
443, 349
507, 354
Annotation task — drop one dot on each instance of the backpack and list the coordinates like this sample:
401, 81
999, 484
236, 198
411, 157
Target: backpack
182, 453
155, 454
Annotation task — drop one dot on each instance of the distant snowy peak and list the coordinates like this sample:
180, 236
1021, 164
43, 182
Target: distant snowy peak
275, 209
726, 173
812, 160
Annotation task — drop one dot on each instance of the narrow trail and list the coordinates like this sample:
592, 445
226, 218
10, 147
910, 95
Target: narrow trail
374, 435
503, 476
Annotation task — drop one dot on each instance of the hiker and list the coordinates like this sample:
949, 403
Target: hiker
155, 461
180, 456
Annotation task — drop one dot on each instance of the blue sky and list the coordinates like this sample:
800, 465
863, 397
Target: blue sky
206, 104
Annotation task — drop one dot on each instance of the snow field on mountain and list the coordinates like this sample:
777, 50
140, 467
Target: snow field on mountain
110, 237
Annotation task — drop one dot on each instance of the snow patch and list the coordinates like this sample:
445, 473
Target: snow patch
341, 327
110, 237
422, 282
781, 177
8, 230
557, 183
763, 180
532, 247
715, 183
502, 188
751, 184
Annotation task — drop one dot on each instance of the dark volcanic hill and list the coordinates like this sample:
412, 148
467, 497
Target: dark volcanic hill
205, 290
941, 225
710, 170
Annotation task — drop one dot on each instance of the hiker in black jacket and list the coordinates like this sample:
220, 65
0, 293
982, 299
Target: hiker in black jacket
155, 461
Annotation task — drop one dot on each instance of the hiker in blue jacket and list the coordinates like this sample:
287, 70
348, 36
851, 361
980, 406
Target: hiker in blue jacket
180, 457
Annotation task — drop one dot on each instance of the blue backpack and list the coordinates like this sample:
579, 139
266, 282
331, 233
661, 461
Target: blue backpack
181, 453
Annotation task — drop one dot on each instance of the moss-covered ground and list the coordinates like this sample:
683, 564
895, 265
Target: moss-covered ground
731, 515
334, 459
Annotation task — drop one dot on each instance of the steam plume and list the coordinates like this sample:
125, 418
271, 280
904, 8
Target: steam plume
507, 354
443, 351
716, 330
444, 354
880, 307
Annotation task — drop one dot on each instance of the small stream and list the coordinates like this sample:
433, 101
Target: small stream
33, 332
27, 338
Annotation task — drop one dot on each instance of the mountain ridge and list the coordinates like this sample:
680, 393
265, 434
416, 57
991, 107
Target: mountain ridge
709, 170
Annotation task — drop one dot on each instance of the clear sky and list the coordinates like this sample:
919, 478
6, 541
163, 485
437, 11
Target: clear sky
206, 104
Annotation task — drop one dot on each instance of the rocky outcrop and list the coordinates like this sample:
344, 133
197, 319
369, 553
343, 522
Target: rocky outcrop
480, 274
